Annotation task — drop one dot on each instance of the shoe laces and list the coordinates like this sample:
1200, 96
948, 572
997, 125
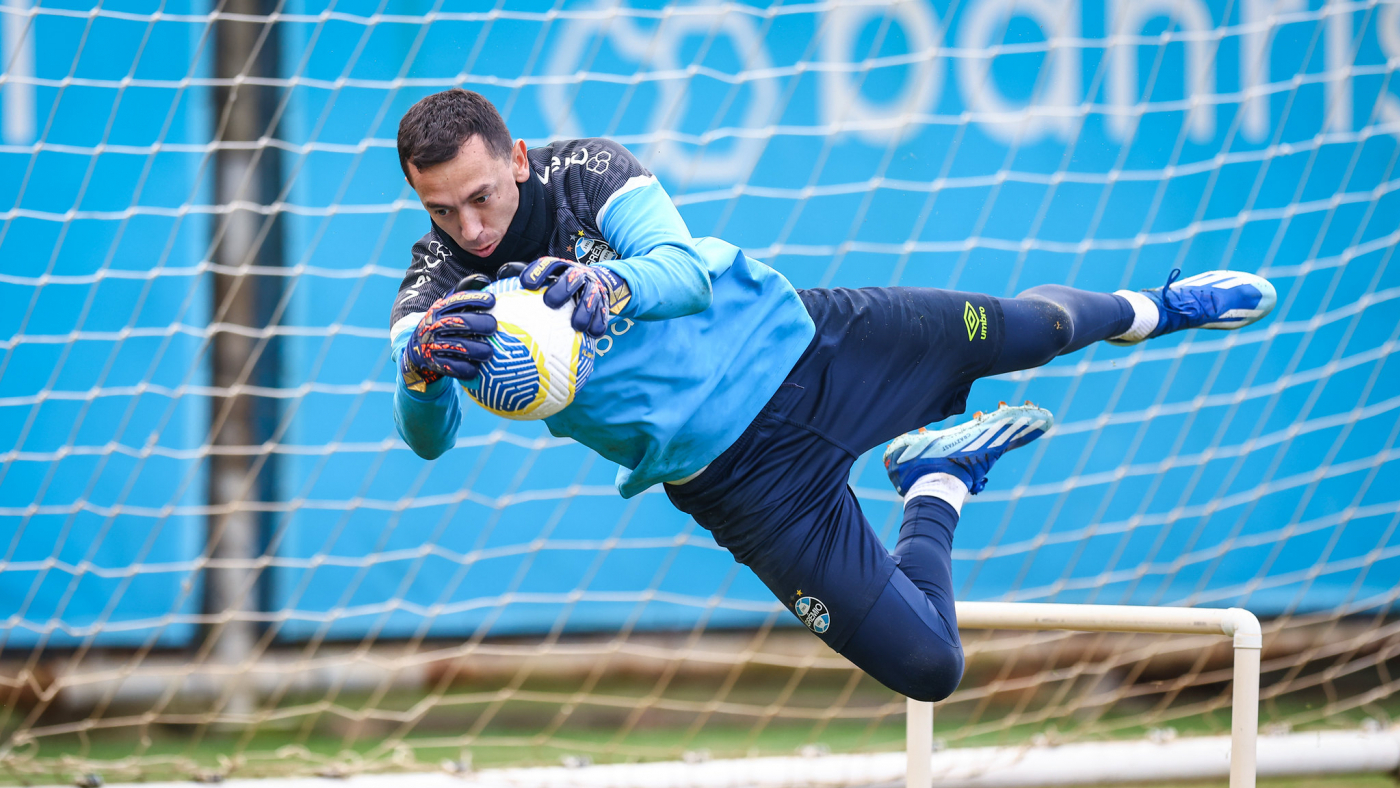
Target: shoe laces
1166, 304
1195, 309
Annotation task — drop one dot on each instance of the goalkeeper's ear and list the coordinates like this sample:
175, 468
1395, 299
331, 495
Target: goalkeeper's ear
519, 162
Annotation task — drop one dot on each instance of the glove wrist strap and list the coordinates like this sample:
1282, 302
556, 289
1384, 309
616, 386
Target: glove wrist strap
619, 294
416, 378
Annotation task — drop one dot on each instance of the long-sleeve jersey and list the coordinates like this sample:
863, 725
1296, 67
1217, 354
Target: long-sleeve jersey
706, 339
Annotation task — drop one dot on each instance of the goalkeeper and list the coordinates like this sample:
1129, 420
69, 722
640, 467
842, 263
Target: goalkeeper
748, 399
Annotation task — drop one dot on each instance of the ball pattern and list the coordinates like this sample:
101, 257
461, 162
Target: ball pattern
540, 361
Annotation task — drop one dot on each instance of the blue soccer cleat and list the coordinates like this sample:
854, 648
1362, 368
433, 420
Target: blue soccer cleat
966, 451
1216, 299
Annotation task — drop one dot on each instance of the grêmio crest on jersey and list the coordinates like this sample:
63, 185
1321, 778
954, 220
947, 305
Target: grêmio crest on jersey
591, 250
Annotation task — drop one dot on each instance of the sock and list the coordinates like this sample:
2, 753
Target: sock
1145, 318
943, 486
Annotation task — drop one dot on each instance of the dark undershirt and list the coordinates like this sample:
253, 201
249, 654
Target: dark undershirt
526, 239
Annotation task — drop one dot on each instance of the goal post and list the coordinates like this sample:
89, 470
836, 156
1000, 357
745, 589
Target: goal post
1236, 623
1375, 750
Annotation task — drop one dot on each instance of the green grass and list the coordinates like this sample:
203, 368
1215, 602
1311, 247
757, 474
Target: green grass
172, 754
526, 731
1334, 781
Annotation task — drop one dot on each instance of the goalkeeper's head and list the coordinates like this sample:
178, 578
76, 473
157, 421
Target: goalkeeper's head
458, 156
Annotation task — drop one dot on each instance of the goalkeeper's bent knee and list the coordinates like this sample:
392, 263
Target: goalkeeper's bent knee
1039, 326
930, 674
906, 650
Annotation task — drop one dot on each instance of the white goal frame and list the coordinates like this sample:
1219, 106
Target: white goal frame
1371, 750
1236, 623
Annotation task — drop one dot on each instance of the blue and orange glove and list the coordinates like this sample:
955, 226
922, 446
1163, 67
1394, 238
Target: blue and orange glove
450, 340
598, 291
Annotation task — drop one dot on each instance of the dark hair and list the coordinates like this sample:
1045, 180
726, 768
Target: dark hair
434, 129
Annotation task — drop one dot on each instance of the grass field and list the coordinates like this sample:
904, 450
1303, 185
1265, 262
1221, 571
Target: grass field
537, 726
1360, 781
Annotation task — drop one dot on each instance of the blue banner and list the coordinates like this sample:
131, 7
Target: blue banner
104, 189
986, 145
990, 145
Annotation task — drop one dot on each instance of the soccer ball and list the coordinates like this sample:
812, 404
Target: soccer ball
540, 361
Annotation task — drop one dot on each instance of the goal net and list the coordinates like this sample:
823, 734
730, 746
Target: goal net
218, 558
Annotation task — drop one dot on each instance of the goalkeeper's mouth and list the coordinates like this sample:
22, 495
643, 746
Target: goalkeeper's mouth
485, 251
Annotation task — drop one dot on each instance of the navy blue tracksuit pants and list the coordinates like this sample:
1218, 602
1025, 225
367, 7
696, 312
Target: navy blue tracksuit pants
884, 361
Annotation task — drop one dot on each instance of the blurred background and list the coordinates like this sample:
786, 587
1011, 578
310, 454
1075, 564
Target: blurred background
219, 559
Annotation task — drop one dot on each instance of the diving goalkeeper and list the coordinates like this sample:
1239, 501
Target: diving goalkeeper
748, 399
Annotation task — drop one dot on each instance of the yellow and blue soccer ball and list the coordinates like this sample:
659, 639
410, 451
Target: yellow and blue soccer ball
540, 361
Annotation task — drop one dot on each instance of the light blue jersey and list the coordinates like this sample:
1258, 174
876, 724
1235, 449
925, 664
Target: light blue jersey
708, 336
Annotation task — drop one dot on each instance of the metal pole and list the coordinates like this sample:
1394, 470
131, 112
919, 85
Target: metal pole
1245, 713
1238, 623
241, 422
918, 743
1097, 618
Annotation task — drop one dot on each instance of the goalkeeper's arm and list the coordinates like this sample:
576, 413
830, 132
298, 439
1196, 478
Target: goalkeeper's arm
427, 420
429, 350
665, 275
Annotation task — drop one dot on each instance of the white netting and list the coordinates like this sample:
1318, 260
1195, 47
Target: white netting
219, 558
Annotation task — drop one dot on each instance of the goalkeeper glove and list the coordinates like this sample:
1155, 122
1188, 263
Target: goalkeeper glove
450, 340
509, 270
598, 291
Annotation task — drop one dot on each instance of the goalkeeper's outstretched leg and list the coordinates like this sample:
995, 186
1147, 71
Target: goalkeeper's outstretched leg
1052, 320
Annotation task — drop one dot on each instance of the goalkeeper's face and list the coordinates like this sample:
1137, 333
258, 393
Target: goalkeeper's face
473, 197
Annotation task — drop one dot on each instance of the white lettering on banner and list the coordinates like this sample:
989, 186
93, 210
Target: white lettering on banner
1388, 31
654, 47
1127, 18
1060, 90
1256, 53
1338, 54
18, 54
659, 49
842, 102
